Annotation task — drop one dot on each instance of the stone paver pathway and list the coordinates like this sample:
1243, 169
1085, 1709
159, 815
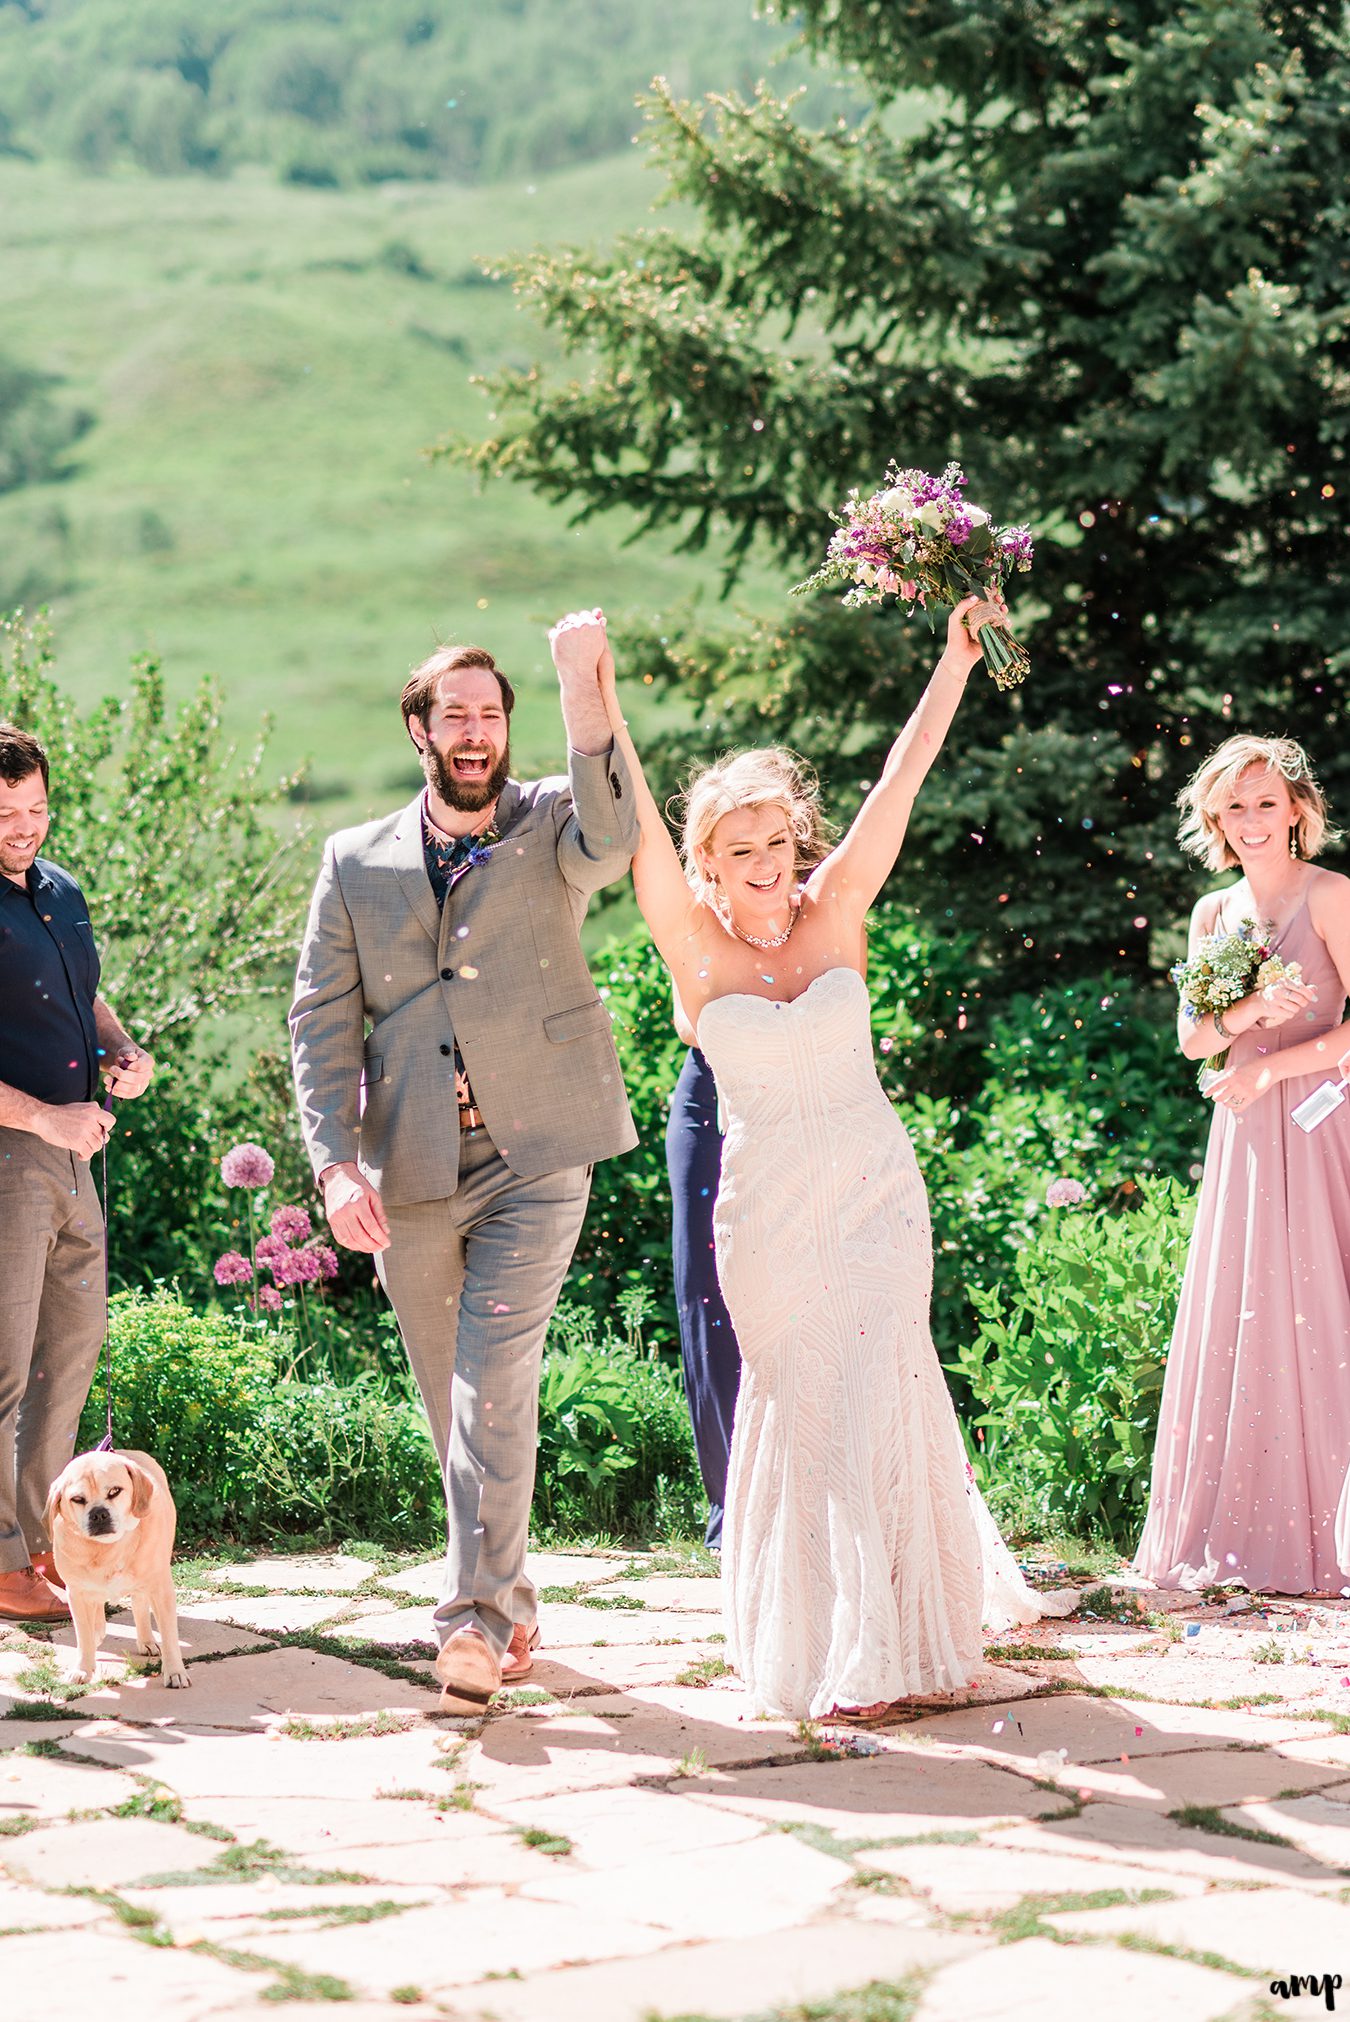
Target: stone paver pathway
1142, 1812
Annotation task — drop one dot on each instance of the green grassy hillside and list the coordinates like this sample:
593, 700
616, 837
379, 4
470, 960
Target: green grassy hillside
266, 364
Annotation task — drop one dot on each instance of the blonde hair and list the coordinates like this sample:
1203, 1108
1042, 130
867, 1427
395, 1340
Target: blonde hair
1205, 792
773, 777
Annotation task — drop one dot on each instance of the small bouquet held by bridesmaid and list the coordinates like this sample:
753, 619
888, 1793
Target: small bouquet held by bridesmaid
919, 539
1226, 968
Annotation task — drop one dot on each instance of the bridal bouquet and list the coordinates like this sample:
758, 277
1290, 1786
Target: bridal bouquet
920, 539
1226, 968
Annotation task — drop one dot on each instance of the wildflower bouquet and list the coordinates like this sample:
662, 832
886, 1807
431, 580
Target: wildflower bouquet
920, 539
1226, 968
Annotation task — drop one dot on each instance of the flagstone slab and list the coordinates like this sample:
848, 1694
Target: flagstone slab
389, 1628
37, 1787
1271, 1931
719, 1892
15, 1733
1144, 1838
336, 1831
1194, 1678
102, 1974
254, 1690
982, 1880
199, 1634
104, 1853
879, 1796
24, 1908
459, 1942
571, 1625
572, 1671
202, 1762
278, 1612
500, 1859
610, 1741
727, 1980
617, 1827
662, 1592
1038, 1977
223, 1913
546, 1569
1100, 1730
316, 1573
1319, 1825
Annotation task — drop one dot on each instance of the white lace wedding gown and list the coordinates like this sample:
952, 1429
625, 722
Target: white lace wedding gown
859, 1558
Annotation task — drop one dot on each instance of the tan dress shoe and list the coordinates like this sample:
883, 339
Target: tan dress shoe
26, 1597
470, 1672
518, 1663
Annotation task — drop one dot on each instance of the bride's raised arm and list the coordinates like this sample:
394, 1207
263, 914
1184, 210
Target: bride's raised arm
667, 904
855, 871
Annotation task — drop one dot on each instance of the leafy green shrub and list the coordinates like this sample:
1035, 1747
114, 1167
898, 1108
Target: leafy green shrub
1069, 1358
616, 1452
189, 1388
348, 1460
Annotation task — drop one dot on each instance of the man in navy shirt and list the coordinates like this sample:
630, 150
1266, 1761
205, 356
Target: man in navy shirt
56, 1036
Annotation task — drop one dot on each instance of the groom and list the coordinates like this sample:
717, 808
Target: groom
457, 1080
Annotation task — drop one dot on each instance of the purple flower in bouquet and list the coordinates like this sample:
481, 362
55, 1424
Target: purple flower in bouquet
247, 1165
269, 1299
1065, 1193
920, 539
291, 1224
232, 1269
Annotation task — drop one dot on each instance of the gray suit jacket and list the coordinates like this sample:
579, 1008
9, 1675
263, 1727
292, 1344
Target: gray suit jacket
386, 986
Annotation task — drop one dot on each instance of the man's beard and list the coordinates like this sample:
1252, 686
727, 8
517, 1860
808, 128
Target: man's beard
466, 796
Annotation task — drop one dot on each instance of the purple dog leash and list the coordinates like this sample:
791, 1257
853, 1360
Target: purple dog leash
105, 1445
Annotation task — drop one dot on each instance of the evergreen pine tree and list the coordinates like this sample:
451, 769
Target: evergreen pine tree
1109, 274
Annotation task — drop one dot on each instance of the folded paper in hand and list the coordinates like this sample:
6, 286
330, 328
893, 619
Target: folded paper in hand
1317, 1107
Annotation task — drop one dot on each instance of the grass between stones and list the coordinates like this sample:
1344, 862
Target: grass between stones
878, 2001
291, 1983
1025, 1919
1205, 1818
537, 1836
347, 1727
628, 1602
341, 1913
703, 1671
246, 1862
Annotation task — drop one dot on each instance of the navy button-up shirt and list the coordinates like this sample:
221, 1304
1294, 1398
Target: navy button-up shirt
49, 971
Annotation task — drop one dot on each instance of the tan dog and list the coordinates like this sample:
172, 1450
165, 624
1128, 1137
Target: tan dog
111, 1521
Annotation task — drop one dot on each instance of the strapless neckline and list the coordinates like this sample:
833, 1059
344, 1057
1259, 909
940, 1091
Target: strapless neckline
775, 1003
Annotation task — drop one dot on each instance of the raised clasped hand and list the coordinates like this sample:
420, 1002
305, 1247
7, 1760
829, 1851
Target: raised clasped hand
1237, 1088
1284, 1000
963, 647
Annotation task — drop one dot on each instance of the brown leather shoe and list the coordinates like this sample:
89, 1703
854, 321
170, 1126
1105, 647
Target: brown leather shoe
45, 1563
26, 1597
518, 1663
469, 1671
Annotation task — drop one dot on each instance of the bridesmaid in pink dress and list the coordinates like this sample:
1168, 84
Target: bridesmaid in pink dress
1254, 1432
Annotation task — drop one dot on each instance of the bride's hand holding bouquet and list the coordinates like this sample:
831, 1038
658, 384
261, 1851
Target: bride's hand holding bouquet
920, 540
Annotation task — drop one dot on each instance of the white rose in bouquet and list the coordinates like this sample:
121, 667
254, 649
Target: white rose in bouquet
897, 500
931, 515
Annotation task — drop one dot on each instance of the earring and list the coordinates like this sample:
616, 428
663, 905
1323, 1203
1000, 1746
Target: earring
1293, 841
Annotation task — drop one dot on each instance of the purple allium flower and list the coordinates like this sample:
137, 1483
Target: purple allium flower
1065, 1193
269, 1299
232, 1269
270, 1248
328, 1259
305, 1267
291, 1224
247, 1165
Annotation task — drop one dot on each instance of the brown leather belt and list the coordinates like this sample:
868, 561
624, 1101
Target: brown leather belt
471, 1119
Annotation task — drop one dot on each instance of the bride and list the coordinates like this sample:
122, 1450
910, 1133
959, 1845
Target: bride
859, 1559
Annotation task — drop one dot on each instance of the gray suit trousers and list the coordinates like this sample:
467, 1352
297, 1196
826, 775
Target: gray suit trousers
52, 1310
473, 1280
